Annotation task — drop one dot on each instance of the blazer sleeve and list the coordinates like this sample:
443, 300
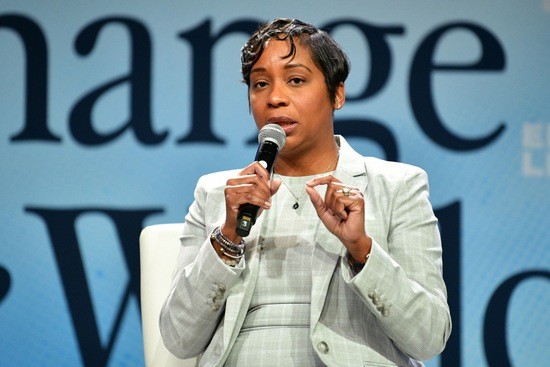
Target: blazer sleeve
195, 304
402, 281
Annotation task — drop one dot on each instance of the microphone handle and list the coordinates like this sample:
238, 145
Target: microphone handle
246, 219
267, 152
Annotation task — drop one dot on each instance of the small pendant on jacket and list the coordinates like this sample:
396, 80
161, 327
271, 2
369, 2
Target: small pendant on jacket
295, 206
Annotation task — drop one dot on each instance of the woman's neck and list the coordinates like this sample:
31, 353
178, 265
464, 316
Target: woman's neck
308, 164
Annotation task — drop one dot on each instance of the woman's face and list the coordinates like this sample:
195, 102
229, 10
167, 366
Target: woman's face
292, 93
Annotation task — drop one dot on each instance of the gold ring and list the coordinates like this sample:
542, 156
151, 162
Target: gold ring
346, 191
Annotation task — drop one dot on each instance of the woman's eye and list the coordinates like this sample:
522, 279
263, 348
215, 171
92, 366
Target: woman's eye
259, 84
296, 81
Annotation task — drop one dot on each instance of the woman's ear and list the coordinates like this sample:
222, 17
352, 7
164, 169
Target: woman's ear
340, 98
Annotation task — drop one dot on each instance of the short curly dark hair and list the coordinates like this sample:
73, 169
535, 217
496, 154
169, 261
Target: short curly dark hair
327, 55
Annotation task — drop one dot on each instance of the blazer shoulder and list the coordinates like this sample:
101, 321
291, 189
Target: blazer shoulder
391, 170
216, 180
393, 175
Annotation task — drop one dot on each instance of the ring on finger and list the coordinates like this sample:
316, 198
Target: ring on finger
346, 191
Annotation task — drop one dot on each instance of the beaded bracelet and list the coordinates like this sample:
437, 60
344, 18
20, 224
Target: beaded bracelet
230, 249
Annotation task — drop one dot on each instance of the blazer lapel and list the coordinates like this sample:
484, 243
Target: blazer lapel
238, 300
327, 248
240, 294
326, 251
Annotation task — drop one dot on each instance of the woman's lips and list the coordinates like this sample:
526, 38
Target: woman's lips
286, 123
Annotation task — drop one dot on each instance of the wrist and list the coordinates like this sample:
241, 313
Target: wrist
230, 233
359, 254
360, 250
357, 266
228, 251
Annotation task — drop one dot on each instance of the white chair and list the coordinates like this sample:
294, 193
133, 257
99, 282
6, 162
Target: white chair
158, 246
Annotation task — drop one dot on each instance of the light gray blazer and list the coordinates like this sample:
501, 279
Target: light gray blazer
393, 313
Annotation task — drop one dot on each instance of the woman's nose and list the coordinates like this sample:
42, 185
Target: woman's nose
277, 96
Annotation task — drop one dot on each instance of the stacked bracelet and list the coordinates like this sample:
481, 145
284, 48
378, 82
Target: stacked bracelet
234, 251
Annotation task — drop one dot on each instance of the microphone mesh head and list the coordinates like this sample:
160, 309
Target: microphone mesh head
274, 133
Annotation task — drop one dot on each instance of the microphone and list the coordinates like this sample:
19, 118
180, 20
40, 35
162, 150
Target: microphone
271, 137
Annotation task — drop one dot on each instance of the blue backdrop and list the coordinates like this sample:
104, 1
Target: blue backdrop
111, 110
